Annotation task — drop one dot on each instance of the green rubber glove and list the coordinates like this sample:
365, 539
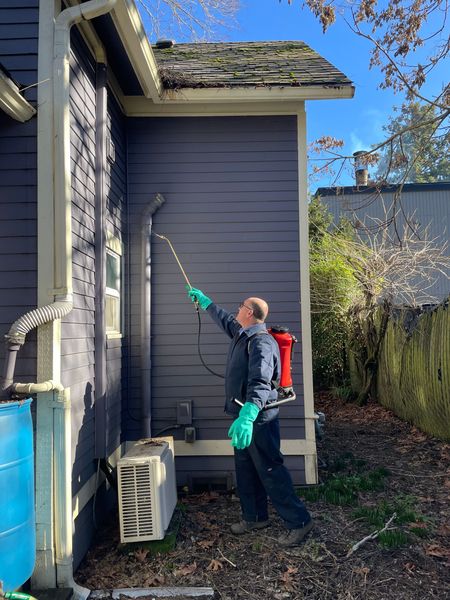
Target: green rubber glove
198, 296
241, 429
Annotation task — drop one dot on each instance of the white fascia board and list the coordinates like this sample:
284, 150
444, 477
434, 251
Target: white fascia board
137, 106
256, 94
12, 102
128, 24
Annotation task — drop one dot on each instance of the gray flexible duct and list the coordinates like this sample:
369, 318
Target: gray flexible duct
34, 318
15, 338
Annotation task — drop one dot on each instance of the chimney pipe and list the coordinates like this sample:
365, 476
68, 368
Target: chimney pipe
361, 170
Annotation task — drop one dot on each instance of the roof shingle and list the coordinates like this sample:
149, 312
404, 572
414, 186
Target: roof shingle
245, 64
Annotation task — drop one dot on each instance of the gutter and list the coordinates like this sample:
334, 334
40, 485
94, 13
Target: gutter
12, 102
58, 411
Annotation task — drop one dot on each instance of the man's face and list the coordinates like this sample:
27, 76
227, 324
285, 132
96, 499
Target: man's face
244, 315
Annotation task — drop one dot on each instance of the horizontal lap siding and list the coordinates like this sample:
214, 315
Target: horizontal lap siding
18, 181
231, 212
78, 359
116, 224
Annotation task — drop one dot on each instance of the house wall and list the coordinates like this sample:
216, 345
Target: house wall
78, 328
18, 178
231, 212
116, 219
423, 206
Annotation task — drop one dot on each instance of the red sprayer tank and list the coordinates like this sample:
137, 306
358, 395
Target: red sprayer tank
285, 343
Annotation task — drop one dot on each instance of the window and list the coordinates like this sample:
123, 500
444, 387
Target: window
113, 286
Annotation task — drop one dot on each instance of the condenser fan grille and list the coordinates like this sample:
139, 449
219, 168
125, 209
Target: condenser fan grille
147, 491
137, 501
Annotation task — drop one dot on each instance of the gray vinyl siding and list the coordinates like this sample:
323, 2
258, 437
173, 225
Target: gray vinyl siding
116, 210
18, 180
424, 208
78, 359
231, 212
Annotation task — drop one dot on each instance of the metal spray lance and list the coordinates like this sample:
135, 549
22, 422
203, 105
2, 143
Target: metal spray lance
163, 237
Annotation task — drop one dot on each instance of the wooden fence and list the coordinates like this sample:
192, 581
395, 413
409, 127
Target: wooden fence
414, 369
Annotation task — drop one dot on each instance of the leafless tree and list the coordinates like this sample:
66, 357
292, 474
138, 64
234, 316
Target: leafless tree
191, 20
396, 30
390, 271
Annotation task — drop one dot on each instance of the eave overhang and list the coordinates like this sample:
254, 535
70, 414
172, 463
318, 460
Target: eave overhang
129, 26
12, 102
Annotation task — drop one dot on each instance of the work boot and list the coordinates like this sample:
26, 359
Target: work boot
294, 536
246, 526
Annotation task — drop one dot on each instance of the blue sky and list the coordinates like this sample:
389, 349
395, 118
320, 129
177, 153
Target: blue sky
358, 121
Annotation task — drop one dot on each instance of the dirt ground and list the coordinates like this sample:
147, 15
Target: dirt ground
412, 475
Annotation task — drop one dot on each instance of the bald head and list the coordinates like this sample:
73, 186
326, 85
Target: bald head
260, 308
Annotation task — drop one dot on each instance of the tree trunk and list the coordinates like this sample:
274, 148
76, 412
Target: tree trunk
371, 338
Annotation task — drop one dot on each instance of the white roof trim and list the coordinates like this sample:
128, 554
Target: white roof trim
129, 26
257, 94
12, 101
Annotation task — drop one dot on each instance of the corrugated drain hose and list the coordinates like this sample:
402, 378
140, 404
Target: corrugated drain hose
15, 339
34, 318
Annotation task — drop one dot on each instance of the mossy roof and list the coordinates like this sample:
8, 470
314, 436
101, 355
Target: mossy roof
245, 64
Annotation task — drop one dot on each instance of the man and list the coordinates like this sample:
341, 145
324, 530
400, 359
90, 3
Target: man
253, 367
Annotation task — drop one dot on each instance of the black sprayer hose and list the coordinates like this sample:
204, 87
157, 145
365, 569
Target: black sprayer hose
198, 346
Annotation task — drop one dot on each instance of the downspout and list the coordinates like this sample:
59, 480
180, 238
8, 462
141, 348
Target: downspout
63, 279
63, 295
101, 400
146, 365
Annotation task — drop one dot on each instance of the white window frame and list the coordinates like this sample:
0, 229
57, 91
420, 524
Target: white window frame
114, 248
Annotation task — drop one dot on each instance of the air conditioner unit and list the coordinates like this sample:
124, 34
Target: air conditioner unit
147, 490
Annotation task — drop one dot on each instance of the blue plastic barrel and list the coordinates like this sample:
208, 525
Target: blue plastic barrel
17, 517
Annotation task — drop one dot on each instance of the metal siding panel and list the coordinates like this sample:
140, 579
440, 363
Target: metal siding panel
235, 229
428, 207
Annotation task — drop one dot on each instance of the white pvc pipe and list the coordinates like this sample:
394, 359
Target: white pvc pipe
37, 388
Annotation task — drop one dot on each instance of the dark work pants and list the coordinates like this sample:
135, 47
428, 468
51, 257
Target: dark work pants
260, 473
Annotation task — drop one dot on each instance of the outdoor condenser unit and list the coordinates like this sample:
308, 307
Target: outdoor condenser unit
147, 490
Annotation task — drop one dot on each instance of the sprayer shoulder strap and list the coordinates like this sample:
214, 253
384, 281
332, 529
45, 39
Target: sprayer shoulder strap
254, 335
275, 382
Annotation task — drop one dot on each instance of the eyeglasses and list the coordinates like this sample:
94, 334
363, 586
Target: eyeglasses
242, 304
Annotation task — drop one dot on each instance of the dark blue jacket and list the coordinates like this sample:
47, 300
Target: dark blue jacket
253, 362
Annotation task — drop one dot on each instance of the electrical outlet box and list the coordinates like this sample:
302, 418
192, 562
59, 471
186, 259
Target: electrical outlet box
184, 412
190, 435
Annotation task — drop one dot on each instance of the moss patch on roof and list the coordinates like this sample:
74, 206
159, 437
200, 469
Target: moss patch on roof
245, 64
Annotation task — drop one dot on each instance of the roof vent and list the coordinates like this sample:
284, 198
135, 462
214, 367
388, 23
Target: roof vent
161, 44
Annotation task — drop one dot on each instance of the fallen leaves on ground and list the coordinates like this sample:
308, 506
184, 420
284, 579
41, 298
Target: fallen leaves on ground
214, 565
255, 568
185, 570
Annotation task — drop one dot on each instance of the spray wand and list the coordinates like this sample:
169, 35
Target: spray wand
282, 400
163, 237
